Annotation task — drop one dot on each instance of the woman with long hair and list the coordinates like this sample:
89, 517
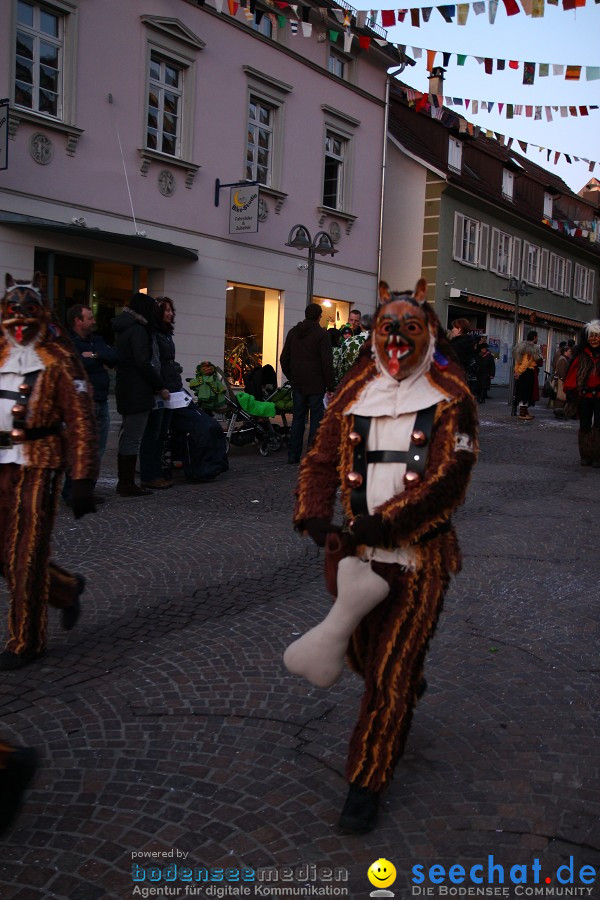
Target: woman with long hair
157, 426
137, 382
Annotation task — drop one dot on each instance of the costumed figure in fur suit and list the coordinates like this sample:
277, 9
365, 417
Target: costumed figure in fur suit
46, 423
582, 383
400, 439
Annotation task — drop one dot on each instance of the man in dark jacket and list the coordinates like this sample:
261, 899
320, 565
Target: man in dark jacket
96, 356
137, 382
307, 363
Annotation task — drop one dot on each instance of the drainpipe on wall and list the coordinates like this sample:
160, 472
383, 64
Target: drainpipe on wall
390, 75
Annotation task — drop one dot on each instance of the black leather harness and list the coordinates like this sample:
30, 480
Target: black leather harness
415, 457
7, 439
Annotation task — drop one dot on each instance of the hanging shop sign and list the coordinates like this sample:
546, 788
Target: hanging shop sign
243, 210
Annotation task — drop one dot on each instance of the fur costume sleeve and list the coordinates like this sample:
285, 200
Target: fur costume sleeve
63, 395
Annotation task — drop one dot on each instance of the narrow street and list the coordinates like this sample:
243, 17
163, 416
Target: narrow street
167, 722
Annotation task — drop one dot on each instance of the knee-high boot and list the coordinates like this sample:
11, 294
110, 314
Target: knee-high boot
126, 485
596, 448
585, 439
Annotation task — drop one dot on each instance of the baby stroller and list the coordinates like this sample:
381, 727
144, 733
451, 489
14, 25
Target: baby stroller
251, 411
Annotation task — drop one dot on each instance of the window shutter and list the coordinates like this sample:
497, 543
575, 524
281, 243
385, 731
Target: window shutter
494, 250
552, 273
459, 225
567, 284
543, 281
484, 231
516, 257
525, 262
590, 292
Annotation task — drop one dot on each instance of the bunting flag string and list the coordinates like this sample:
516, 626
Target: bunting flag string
431, 104
571, 73
449, 12
513, 110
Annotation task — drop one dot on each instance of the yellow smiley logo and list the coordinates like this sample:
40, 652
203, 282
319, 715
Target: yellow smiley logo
381, 873
236, 199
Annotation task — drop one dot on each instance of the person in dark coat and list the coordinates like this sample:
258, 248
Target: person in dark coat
157, 426
485, 367
307, 363
97, 357
463, 343
138, 380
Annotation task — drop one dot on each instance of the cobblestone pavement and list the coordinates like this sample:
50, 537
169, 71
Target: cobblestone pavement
167, 722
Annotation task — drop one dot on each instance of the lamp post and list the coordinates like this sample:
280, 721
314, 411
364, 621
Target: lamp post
519, 289
299, 238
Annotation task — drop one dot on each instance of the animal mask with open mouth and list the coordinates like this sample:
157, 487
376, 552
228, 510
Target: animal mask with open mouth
23, 314
401, 337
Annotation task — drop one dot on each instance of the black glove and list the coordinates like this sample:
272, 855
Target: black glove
82, 497
318, 528
370, 530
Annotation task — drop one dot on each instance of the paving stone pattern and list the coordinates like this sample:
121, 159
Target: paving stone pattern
166, 720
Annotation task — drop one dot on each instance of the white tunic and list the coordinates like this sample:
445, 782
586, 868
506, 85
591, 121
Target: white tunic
21, 360
393, 407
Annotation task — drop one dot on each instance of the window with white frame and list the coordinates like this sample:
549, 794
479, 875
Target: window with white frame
502, 253
165, 94
531, 263
259, 141
583, 284
455, 154
171, 60
548, 204
559, 270
508, 184
262, 22
470, 241
39, 53
336, 64
264, 128
333, 179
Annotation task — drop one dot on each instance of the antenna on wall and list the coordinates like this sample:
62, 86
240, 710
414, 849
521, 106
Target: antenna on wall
139, 233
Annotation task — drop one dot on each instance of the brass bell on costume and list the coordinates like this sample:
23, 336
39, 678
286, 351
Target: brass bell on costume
17, 435
25, 389
19, 410
354, 479
355, 438
411, 478
419, 438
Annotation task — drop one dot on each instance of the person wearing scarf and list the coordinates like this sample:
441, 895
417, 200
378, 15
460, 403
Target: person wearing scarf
582, 384
403, 536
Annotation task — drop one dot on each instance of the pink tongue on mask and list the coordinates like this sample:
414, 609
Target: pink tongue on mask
19, 333
393, 361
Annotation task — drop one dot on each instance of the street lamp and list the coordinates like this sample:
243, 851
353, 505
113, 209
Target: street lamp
299, 238
519, 289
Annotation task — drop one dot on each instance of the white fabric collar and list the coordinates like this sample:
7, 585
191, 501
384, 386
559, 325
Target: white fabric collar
22, 359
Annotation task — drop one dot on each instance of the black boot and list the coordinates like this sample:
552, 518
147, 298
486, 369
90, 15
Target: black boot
596, 448
360, 812
69, 616
584, 439
17, 768
126, 486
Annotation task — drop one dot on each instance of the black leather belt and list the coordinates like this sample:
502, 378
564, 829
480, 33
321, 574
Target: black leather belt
31, 434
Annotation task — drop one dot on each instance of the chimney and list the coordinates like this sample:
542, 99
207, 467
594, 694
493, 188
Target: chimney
436, 81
